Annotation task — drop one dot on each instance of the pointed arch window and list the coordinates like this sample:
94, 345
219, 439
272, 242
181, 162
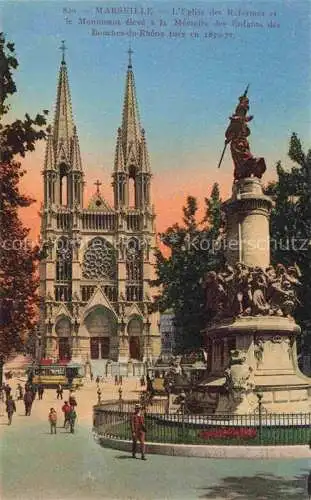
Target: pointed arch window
132, 193
64, 187
134, 260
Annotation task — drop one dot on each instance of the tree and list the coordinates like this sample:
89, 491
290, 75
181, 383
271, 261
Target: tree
194, 249
18, 283
291, 223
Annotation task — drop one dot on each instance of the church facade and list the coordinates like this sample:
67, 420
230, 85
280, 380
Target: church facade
98, 260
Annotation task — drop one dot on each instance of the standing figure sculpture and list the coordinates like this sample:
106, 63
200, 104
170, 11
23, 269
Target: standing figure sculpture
245, 164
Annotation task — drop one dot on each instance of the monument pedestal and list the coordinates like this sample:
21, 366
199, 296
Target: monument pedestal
268, 344
251, 343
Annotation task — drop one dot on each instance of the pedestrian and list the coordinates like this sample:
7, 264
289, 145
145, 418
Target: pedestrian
66, 409
7, 390
116, 380
120, 380
99, 393
10, 408
53, 420
150, 388
72, 419
34, 389
40, 391
97, 380
16, 394
21, 392
72, 400
92, 376
142, 381
28, 400
59, 391
138, 432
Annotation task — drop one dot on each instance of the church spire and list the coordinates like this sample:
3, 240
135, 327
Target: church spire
64, 185
130, 130
131, 156
63, 129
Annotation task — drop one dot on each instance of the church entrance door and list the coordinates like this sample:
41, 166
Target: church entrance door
63, 331
135, 347
101, 326
64, 348
135, 330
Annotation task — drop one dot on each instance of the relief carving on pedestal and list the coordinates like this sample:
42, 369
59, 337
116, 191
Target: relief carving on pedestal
239, 376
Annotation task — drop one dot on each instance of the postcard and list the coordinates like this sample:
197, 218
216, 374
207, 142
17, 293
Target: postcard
137, 138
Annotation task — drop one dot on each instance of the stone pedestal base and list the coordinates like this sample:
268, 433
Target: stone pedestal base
270, 367
235, 404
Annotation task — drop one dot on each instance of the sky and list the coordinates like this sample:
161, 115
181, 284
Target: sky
191, 62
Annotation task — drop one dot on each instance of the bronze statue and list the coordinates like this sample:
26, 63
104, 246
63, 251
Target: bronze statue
258, 284
251, 291
215, 296
245, 164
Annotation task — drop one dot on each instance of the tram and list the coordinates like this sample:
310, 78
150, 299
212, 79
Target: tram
50, 374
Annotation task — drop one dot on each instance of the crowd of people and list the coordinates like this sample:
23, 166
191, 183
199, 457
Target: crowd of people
28, 394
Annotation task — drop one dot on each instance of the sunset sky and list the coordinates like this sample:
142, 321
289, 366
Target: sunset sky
186, 87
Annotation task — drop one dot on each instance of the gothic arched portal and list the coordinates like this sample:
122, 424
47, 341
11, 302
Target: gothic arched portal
135, 333
101, 325
63, 332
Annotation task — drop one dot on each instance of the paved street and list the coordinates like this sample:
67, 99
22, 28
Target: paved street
38, 465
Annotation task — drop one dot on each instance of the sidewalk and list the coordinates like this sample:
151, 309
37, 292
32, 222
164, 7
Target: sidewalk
86, 397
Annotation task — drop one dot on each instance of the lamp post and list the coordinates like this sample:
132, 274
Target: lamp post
38, 347
148, 325
182, 405
260, 396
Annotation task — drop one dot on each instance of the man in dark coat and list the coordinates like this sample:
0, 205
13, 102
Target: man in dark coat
20, 391
72, 416
59, 391
10, 408
34, 389
40, 391
28, 400
7, 390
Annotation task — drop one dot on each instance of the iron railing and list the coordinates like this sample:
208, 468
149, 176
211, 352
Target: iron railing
112, 419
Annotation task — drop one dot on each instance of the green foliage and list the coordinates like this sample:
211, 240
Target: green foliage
18, 283
291, 222
193, 251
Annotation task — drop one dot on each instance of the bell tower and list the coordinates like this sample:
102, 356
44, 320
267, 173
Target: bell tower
63, 202
136, 230
63, 175
131, 158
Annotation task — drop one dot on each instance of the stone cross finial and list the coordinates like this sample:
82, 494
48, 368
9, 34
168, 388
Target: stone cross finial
130, 52
97, 184
63, 48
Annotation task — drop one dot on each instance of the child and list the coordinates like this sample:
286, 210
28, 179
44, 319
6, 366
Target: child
53, 420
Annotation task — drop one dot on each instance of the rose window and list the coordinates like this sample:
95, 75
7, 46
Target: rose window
99, 260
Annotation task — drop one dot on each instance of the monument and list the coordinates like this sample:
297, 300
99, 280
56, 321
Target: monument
251, 338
